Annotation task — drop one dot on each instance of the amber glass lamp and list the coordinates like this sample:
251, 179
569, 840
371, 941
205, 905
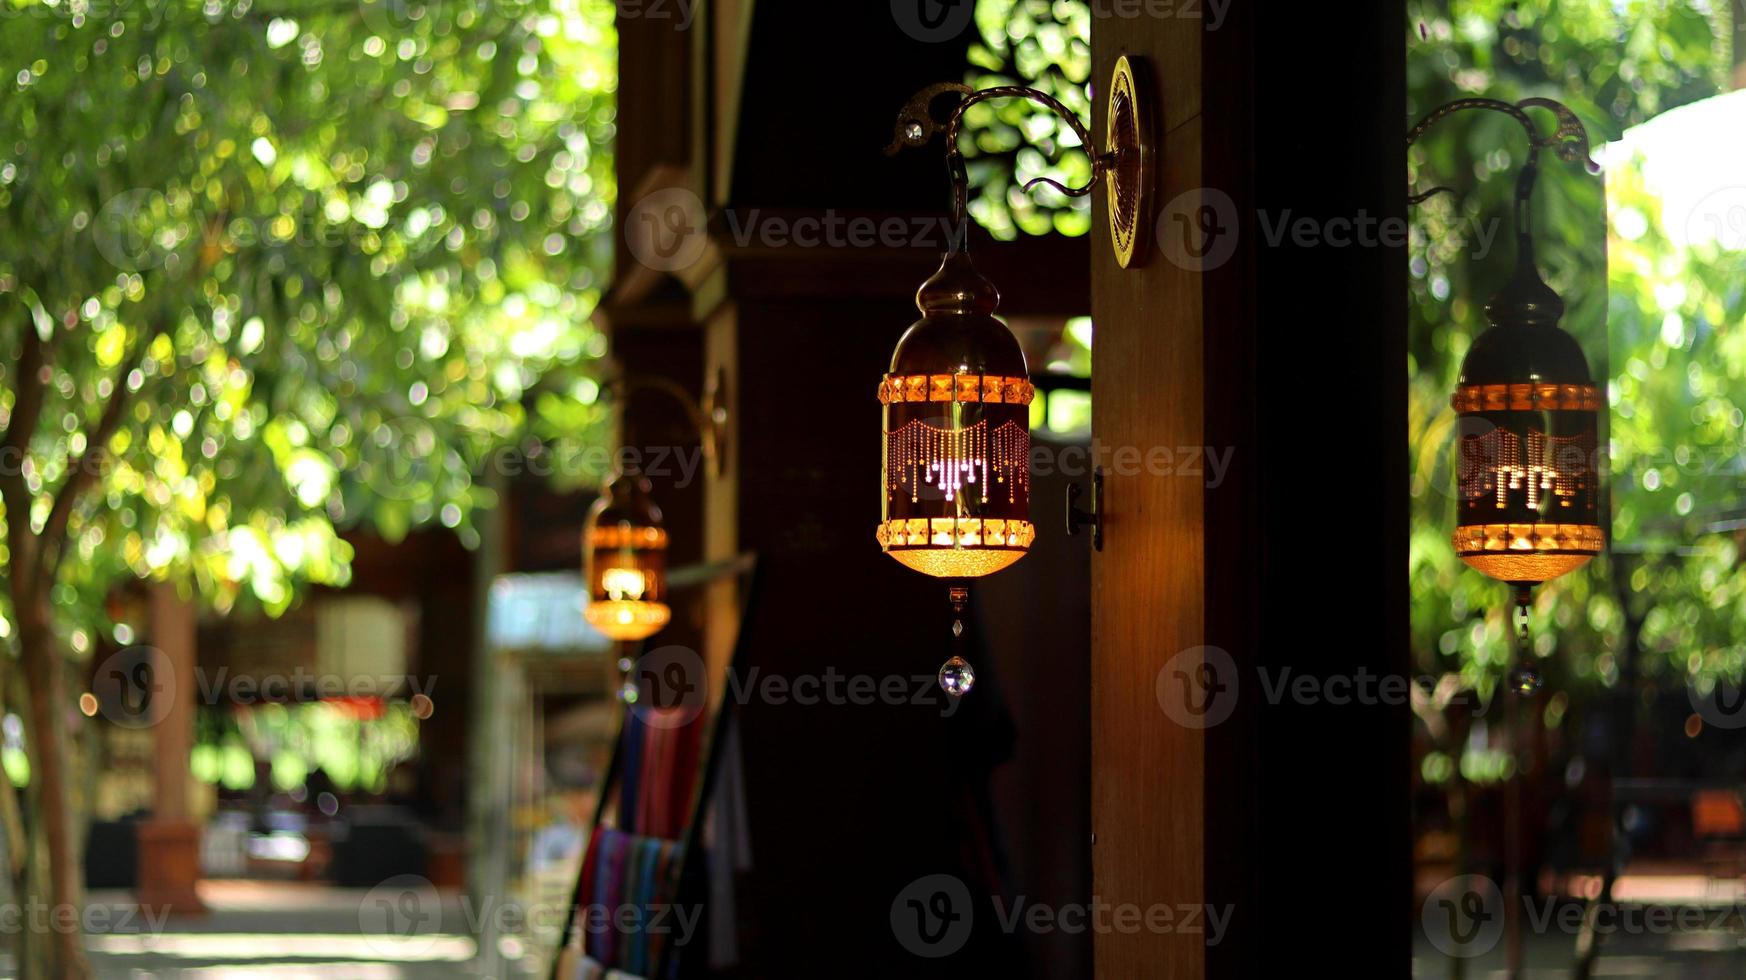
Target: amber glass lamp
1527, 458
625, 550
1527, 465
956, 498
957, 493
624, 546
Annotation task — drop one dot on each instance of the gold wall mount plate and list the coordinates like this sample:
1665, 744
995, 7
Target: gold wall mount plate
1129, 141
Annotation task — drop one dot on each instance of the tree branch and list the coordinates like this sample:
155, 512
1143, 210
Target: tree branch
82, 469
15, 449
27, 400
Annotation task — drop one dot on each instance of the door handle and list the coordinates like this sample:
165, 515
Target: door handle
1077, 517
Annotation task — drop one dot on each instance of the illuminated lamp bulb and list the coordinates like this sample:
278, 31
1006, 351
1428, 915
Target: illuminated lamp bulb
623, 583
625, 561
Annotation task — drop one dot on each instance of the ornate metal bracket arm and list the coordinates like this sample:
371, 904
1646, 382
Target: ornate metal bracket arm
1125, 161
708, 417
916, 127
1569, 141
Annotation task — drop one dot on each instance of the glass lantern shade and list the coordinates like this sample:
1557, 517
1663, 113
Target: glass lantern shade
625, 551
1527, 466
956, 476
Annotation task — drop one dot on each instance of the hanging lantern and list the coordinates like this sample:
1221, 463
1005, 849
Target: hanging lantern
1527, 457
626, 561
1527, 466
957, 492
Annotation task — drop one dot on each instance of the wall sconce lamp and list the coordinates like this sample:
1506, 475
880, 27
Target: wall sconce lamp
624, 544
1528, 409
956, 474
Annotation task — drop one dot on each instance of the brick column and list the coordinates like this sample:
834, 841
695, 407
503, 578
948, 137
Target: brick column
169, 843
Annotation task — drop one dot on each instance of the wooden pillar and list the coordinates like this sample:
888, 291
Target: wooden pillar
169, 843
721, 500
1285, 816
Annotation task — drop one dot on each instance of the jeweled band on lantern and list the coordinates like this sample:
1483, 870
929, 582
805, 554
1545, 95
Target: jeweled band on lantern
626, 567
957, 489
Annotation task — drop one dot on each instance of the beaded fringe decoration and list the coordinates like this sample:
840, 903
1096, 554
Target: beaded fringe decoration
1497, 463
957, 461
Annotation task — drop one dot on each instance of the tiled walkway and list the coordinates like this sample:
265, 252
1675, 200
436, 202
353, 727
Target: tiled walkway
284, 931
278, 931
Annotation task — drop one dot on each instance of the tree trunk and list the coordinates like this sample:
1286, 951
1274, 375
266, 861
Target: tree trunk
35, 949
29, 959
17, 861
52, 818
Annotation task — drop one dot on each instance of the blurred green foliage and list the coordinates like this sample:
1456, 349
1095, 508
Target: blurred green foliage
1616, 65
355, 749
365, 236
1679, 386
1045, 44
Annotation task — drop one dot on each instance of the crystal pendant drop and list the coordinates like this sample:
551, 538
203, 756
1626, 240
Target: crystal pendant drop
956, 677
1524, 680
957, 627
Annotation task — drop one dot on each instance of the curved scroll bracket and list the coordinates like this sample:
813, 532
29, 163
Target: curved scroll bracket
1126, 160
708, 417
1568, 140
